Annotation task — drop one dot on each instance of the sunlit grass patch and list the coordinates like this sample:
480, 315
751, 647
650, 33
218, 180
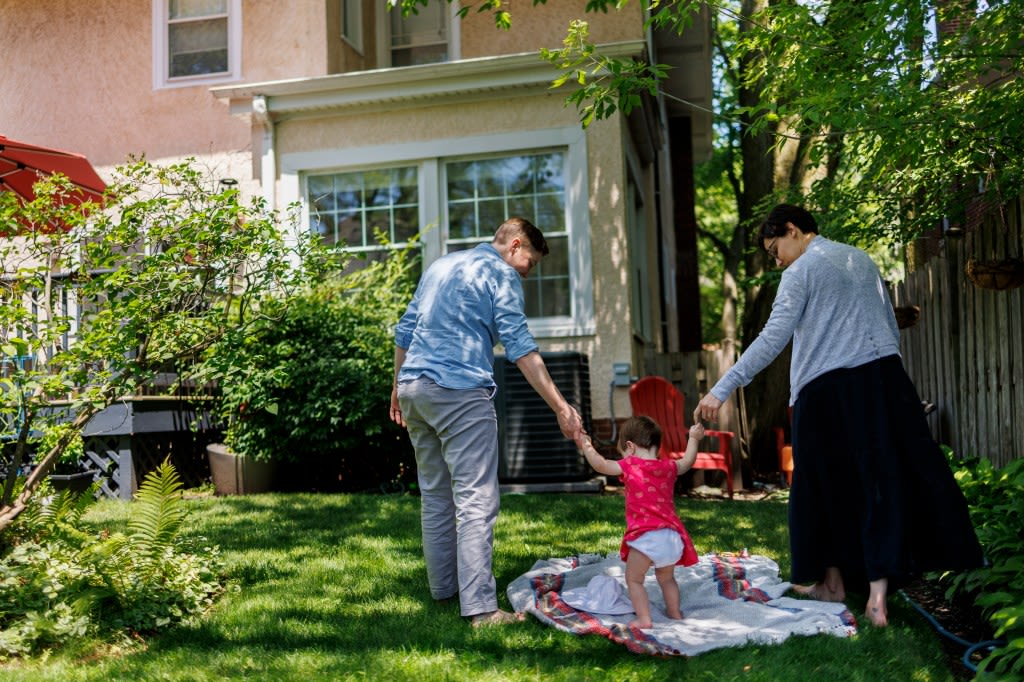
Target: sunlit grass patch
333, 587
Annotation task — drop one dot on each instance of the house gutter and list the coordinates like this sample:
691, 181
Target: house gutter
362, 90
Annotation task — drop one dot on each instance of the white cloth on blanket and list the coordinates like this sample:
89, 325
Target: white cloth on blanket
711, 619
603, 594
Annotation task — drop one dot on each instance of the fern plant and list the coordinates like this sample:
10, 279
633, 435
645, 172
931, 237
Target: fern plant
60, 584
157, 515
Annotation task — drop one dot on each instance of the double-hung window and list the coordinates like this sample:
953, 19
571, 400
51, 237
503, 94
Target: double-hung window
428, 36
457, 201
481, 193
352, 23
196, 41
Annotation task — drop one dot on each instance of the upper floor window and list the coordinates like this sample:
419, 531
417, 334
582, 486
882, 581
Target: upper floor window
352, 23
427, 37
196, 41
420, 38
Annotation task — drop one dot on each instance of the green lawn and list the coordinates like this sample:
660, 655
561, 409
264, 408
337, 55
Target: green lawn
332, 587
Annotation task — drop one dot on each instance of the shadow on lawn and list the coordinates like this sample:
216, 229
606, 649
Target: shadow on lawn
334, 587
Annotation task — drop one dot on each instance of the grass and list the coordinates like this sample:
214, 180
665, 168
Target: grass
332, 587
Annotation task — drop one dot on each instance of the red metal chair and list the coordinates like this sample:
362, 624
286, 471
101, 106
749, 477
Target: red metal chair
785, 451
658, 399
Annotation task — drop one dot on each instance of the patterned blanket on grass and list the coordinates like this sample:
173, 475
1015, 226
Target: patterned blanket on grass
727, 600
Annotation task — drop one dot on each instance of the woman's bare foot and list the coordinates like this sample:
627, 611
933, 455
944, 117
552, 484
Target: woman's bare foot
820, 591
877, 615
830, 589
875, 609
642, 624
498, 617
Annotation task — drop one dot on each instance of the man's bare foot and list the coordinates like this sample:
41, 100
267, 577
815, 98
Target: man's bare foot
498, 617
821, 592
642, 624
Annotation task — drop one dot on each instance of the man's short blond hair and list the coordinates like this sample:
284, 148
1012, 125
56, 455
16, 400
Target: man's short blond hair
524, 230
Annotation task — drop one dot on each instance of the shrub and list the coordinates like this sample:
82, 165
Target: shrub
312, 384
173, 263
996, 501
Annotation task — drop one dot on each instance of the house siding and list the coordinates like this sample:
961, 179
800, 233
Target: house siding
85, 83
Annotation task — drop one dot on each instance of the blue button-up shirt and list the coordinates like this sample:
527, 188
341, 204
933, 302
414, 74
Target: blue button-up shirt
465, 303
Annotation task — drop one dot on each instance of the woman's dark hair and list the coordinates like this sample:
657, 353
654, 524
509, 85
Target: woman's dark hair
775, 224
643, 431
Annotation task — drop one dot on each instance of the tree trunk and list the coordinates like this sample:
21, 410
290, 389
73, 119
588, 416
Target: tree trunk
766, 398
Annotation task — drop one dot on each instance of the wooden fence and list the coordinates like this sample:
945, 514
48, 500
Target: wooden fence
966, 352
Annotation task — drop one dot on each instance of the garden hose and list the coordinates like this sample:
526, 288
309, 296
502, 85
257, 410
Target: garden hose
971, 647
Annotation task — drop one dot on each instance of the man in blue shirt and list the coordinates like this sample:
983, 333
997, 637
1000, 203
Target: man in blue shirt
467, 302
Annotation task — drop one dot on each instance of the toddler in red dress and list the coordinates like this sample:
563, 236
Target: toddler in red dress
654, 534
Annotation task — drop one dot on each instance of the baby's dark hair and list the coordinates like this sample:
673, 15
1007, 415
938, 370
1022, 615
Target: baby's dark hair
643, 431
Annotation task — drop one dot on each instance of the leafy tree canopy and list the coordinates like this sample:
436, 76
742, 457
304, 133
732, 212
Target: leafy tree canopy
909, 110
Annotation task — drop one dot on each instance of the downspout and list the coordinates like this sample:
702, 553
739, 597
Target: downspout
268, 158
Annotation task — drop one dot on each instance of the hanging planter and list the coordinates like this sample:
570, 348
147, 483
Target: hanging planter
999, 275
907, 315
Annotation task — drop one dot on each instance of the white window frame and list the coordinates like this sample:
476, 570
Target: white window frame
161, 64
383, 26
352, 30
639, 265
430, 157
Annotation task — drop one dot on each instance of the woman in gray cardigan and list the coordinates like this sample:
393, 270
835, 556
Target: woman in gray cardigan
873, 500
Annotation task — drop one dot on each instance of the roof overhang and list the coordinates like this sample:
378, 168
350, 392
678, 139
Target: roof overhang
481, 78
687, 88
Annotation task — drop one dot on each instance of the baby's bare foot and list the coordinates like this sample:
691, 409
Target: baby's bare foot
674, 615
642, 624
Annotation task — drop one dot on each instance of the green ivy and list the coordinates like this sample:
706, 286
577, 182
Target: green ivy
996, 500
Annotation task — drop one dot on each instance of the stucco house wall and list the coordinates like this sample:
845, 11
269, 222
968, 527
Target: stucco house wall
84, 80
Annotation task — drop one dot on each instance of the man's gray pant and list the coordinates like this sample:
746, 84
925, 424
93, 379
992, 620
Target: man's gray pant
455, 435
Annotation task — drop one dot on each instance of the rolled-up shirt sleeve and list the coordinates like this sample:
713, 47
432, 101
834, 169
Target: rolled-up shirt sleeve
407, 324
509, 318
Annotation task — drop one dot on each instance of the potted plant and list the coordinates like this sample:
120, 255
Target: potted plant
73, 470
235, 474
308, 386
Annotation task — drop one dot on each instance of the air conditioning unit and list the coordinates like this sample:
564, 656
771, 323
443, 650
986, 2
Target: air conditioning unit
531, 445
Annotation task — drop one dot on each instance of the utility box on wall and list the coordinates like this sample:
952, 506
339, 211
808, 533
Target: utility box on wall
531, 445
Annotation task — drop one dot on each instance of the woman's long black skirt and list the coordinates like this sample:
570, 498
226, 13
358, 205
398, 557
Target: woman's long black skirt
872, 492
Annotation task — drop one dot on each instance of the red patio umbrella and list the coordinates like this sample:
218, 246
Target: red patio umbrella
23, 164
